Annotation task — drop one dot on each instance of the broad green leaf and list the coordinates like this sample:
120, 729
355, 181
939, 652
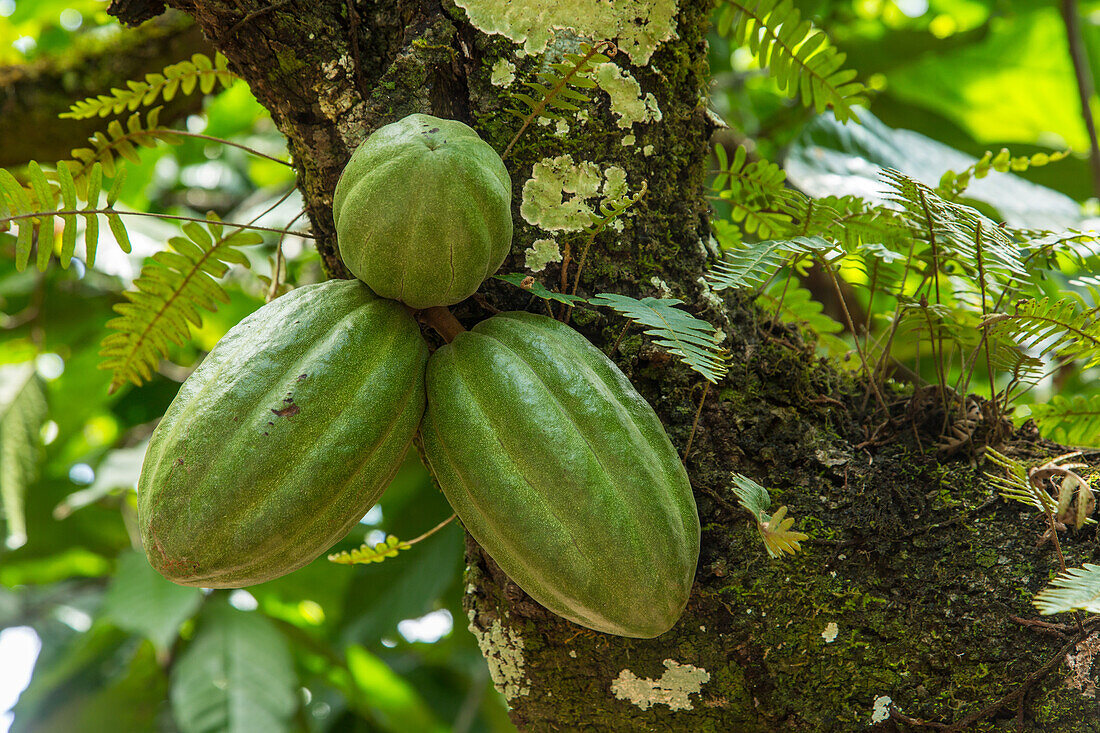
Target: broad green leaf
141, 601
378, 690
22, 412
236, 676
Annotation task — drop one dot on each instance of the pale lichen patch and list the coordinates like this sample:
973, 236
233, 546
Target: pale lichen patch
647, 150
830, 632
504, 73
503, 649
637, 26
565, 196
562, 127
541, 253
627, 103
674, 688
1081, 664
880, 711
628, 140
663, 290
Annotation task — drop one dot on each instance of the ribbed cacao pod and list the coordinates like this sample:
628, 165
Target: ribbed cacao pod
283, 438
563, 473
423, 211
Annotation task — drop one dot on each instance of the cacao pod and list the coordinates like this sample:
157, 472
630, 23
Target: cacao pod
283, 438
563, 473
423, 211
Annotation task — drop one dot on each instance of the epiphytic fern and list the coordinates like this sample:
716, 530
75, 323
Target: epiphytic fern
167, 298
1072, 421
775, 529
367, 553
1063, 329
33, 211
752, 264
119, 142
798, 56
1077, 589
794, 304
556, 90
22, 413
694, 341
1012, 483
185, 76
953, 184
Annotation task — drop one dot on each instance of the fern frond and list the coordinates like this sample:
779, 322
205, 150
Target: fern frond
168, 297
534, 287
365, 553
954, 184
775, 530
119, 142
694, 341
22, 413
199, 72
34, 209
753, 264
1077, 589
798, 56
1012, 483
556, 90
959, 233
1071, 421
1064, 329
740, 175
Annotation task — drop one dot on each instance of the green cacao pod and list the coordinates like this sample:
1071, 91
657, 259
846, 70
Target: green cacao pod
424, 211
563, 473
283, 438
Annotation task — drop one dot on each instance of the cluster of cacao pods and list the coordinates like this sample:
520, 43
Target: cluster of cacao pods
292, 427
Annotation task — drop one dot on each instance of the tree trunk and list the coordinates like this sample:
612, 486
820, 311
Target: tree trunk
909, 585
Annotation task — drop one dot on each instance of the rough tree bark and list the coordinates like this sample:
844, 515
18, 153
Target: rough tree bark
920, 572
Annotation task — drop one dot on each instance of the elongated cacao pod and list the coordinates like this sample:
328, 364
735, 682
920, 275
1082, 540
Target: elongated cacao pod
283, 438
563, 473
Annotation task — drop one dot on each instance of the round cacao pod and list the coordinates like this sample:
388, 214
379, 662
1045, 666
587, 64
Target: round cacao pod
423, 211
563, 473
283, 438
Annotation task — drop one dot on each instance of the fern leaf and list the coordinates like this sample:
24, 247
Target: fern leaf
557, 88
775, 530
1012, 483
753, 264
1072, 421
534, 287
1064, 329
184, 76
370, 553
694, 341
1077, 589
798, 56
22, 413
167, 299
119, 142
952, 184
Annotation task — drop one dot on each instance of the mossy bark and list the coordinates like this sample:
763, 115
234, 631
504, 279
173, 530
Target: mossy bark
911, 560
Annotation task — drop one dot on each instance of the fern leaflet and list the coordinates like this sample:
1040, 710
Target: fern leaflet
775, 530
798, 56
694, 341
1013, 483
167, 299
953, 184
753, 264
119, 142
366, 553
1076, 589
183, 76
1064, 329
1072, 421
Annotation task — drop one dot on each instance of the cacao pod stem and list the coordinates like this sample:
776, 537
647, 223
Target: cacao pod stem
440, 318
